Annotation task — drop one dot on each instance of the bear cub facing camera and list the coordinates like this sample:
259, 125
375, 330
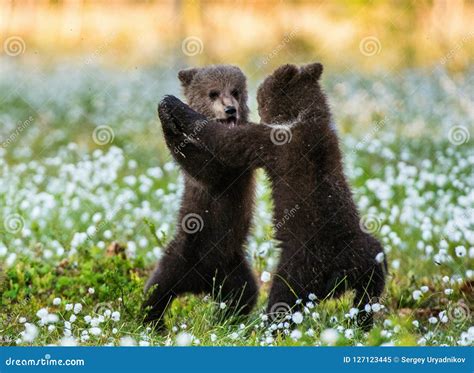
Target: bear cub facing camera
324, 249
207, 253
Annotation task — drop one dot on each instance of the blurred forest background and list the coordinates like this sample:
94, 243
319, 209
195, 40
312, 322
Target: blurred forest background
363, 34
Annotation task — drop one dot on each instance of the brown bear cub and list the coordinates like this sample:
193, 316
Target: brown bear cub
207, 253
324, 250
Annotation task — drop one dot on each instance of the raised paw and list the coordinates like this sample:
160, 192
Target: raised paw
169, 123
178, 117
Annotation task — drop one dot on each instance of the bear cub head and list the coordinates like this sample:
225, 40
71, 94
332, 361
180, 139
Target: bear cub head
219, 92
289, 92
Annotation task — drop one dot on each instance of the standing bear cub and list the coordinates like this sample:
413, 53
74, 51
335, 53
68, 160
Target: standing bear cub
207, 253
324, 250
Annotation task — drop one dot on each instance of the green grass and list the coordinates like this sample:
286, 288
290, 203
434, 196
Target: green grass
64, 198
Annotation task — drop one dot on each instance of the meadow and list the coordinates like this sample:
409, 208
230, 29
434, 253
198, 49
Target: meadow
89, 195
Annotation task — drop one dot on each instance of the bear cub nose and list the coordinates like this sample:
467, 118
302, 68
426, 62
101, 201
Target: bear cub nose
230, 110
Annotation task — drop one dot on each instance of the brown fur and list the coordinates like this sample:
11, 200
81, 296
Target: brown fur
210, 260
324, 250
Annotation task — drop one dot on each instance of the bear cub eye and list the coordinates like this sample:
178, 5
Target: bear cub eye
213, 95
235, 93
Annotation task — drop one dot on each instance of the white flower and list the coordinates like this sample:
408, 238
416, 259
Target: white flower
91, 290
95, 321
22, 320
115, 316
184, 339
432, 320
415, 323
353, 312
56, 301
42, 313
30, 333
424, 289
349, 333
297, 317
114, 331
68, 341
72, 318
380, 257
69, 307
460, 251
448, 291
144, 343
87, 319
213, 337
266, 276
376, 307
127, 341
77, 308
296, 334
329, 336
312, 297
95, 330
51, 318
222, 305
443, 317
416, 295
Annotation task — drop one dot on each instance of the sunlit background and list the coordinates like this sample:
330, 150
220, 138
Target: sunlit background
258, 35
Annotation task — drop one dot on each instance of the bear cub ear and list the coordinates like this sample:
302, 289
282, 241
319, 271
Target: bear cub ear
186, 76
314, 70
285, 72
